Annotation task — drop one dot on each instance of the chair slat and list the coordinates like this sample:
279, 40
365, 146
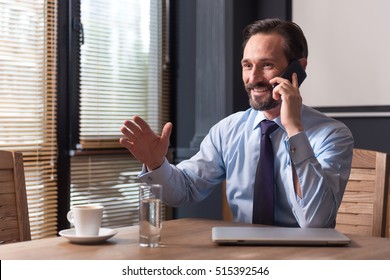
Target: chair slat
356, 208
355, 219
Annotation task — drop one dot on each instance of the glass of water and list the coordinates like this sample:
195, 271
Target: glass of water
150, 215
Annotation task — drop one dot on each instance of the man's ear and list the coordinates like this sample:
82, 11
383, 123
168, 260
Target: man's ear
303, 62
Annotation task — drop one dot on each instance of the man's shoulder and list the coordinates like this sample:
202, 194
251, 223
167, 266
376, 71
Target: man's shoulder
236, 122
237, 119
311, 115
315, 120
240, 116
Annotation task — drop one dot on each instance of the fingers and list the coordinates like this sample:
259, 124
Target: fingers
285, 86
141, 123
285, 82
131, 131
125, 143
295, 80
166, 132
135, 128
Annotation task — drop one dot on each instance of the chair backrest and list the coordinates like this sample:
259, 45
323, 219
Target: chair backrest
14, 220
364, 206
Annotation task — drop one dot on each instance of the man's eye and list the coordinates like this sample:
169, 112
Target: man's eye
268, 66
246, 65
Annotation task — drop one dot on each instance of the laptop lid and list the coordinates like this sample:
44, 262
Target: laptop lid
245, 235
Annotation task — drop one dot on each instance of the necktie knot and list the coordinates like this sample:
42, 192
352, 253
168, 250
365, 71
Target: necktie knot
267, 127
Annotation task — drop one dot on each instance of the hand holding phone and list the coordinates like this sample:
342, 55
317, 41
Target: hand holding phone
294, 67
290, 111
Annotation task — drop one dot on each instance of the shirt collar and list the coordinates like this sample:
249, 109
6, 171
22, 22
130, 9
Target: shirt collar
260, 116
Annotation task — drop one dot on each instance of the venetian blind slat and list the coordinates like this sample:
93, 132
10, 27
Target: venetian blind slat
27, 111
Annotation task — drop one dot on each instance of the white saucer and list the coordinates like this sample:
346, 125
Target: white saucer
104, 234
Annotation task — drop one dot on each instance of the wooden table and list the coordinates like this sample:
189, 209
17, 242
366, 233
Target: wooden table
186, 239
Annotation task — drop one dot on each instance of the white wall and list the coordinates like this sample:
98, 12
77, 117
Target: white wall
349, 51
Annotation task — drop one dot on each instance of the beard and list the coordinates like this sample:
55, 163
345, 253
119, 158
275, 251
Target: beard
263, 103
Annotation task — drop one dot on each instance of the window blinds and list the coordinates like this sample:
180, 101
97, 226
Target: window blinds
121, 75
28, 47
121, 68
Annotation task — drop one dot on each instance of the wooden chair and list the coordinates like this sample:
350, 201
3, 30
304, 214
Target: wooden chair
364, 206
14, 219
226, 212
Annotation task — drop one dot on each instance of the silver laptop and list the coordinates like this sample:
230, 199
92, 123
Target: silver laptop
245, 235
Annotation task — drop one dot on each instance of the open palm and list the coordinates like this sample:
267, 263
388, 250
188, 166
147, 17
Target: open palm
146, 146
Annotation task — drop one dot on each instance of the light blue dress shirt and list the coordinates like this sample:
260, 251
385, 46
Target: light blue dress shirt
321, 155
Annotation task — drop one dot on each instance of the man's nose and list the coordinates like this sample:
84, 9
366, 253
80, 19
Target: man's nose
256, 75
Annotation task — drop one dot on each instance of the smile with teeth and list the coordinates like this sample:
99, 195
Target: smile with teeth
260, 89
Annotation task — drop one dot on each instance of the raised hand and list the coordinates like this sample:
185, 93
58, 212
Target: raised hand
146, 146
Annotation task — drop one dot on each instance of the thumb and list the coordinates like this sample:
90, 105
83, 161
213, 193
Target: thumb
166, 132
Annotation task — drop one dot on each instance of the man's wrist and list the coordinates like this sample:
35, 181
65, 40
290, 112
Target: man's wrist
293, 129
154, 165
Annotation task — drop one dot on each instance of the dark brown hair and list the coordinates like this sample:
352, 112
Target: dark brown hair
294, 39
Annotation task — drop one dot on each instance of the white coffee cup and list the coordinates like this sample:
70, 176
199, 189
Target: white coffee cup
86, 219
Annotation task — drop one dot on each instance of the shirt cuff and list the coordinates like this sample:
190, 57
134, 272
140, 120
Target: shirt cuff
299, 148
157, 176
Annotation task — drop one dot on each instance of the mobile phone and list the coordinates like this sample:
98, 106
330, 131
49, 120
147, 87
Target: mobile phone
294, 67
